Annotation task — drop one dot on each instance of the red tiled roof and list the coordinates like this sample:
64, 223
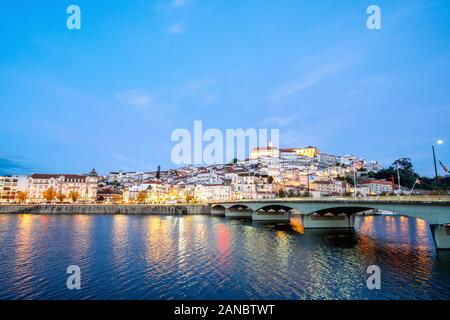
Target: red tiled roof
377, 182
49, 176
152, 181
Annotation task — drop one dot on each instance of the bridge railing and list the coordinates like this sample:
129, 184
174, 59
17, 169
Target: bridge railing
396, 199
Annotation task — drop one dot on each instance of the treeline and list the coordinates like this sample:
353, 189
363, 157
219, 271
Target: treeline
408, 177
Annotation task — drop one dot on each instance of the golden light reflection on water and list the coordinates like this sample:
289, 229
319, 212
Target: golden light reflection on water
283, 248
180, 230
82, 240
424, 259
201, 232
402, 243
119, 238
282, 235
158, 241
24, 249
5, 220
421, 228
366, 226
201, 251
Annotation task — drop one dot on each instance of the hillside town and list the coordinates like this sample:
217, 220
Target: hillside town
270, 172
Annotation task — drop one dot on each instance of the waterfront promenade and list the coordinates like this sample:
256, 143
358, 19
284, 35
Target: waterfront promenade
331, 213
205, 208
155, 209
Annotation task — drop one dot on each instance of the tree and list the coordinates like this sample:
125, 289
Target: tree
281, 193
158, 173
408, 177
406, 170
291, 193
60, 196
270, 179
21, 196
189, 198
117, 198
74, 195
49, 194
141, 197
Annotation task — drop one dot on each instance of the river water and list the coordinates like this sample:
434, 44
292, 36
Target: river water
203, 257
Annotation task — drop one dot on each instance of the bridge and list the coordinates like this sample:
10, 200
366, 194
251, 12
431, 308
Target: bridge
340, 212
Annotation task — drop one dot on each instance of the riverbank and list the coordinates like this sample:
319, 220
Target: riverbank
143, 209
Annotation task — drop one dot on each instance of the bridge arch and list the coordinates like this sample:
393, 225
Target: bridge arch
239, 207
275, 208
433, 213
341, 210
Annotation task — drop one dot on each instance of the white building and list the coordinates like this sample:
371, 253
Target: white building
208, 193
85, 185
328, 188
373, 166
10, 185
207, 178
328, 159
132, 192
347, 160
379, 186
259, 152
361, 190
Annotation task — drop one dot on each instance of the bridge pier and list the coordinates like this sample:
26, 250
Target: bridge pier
218, 212
316, 221
441, 236
238, 214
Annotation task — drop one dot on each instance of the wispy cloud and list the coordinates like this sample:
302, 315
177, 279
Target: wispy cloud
200, 89
175, 29
361, 86
126, 162
11, 166
286, 91
277, 121
312, 70
135, 98
318, 132
179, 3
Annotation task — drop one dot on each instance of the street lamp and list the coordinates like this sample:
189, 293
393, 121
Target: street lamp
434, 158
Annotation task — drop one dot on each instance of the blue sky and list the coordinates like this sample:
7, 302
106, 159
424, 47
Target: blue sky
109, 95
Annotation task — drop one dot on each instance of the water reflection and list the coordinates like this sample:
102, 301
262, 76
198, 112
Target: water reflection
201, 257
119, 239
297, 226
5, 225
23, 274
159, 243
223, 245
82, 238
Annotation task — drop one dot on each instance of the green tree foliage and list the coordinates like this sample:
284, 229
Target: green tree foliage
408, 176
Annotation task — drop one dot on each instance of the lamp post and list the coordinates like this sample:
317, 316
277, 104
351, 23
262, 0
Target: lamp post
307, 177
434, 159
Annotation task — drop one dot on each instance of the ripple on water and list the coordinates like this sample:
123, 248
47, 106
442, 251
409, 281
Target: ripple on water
200, 257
